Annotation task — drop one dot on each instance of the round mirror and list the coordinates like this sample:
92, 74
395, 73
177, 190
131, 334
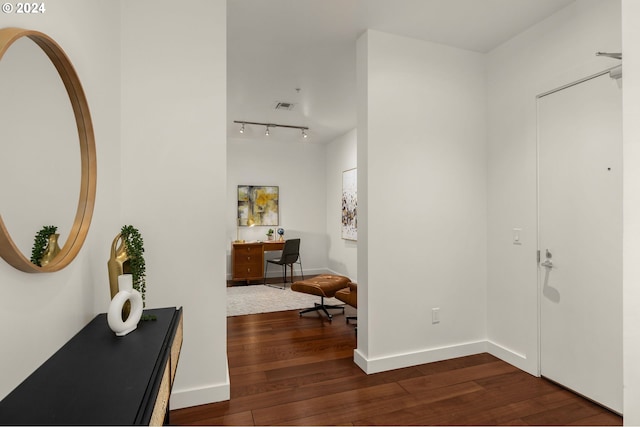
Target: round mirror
40, 95
40, 154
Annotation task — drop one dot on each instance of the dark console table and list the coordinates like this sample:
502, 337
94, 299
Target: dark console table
99, 379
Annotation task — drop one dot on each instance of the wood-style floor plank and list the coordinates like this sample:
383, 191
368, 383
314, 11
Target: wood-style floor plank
288, 370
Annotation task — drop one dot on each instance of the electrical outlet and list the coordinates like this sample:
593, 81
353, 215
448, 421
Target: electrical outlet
435, 315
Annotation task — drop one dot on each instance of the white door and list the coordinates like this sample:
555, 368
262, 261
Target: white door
580, 238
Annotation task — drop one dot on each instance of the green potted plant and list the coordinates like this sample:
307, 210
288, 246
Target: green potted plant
41, 243
134, 246
270, 234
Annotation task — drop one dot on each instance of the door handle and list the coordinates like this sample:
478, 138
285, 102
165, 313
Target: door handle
547, 263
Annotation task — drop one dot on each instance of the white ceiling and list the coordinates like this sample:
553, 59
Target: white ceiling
278, 46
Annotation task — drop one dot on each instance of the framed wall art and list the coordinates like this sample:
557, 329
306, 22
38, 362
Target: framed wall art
350, 204
257, 205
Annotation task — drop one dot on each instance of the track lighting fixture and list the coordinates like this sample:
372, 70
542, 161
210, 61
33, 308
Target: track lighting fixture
303, 129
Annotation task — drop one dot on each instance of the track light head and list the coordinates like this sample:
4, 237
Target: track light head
304, 133
266, 132
242, 128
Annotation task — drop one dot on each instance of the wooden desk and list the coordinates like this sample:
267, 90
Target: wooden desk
247, 259
99, 379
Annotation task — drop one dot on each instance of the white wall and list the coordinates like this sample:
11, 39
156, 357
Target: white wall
424, 186
174, 174
42, 311
557, 51
299, 172
631, 214
342, 254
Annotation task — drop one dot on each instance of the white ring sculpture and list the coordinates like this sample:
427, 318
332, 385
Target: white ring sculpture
114, 315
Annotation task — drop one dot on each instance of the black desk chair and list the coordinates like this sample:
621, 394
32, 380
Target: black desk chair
290, 255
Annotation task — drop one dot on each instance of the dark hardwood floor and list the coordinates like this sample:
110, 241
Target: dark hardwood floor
287, 370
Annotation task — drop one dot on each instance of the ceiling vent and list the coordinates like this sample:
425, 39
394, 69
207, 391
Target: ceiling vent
284, 106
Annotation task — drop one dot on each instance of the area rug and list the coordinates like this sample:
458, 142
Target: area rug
255, 299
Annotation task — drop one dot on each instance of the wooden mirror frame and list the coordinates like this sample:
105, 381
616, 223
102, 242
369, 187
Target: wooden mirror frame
8, 249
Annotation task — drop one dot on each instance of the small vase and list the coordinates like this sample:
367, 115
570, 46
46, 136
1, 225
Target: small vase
51, 251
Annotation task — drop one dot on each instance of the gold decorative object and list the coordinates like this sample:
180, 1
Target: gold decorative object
8, 249
51, 250
118, 264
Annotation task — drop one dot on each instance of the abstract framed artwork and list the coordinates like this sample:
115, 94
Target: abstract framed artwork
258, 205
350, 204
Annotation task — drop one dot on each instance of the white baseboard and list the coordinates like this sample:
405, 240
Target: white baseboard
221, 392
201, 395
518, 360
397, 361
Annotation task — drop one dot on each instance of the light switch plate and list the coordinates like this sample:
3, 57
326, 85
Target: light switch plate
516, 238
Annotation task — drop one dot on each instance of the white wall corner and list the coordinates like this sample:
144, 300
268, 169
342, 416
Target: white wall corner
404, 360
361, 360
511, 357
201, 395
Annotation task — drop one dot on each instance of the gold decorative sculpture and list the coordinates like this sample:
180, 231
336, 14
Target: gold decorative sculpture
51, 251
119, 263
